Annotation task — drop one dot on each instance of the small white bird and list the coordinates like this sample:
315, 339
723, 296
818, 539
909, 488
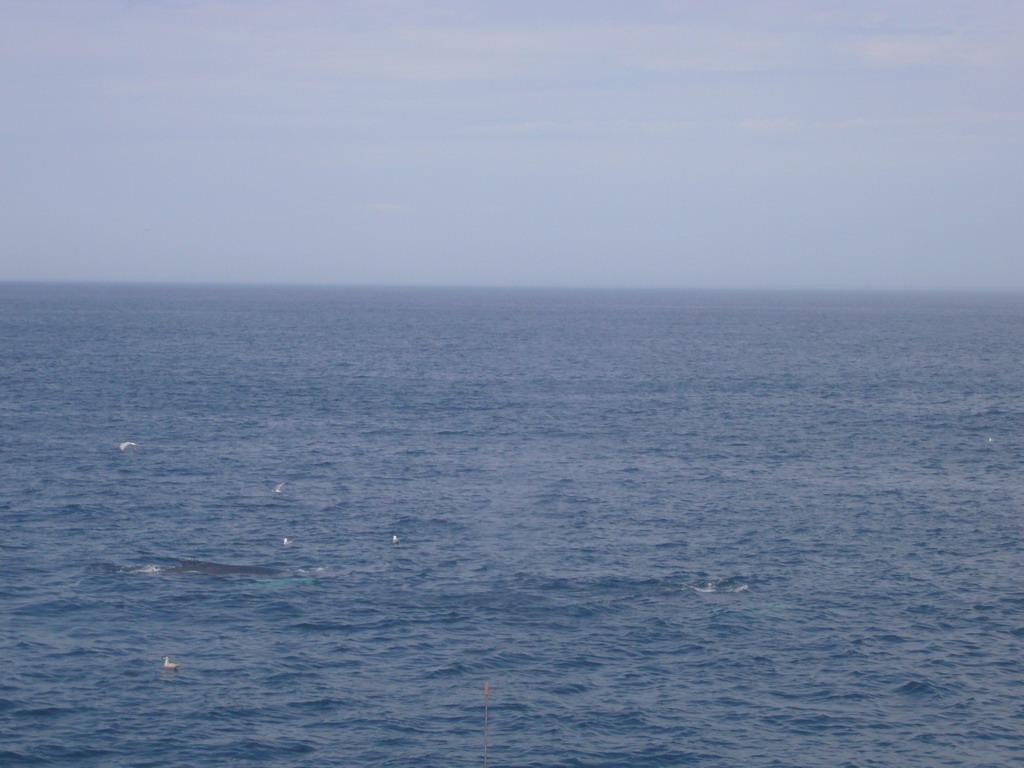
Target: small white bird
168, 664
278, 487
394, 539
126, 445
286, 541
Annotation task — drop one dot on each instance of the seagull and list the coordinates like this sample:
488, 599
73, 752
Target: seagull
168, 664
278, 487
286, 541
125, 446
394, 539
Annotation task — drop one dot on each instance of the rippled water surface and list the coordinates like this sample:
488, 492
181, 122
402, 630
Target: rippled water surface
668, 529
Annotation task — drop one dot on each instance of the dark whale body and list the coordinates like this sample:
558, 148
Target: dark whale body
201, 566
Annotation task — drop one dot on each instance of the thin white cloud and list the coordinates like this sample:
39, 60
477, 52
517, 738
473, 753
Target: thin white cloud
936, 50
382, 208
528, 128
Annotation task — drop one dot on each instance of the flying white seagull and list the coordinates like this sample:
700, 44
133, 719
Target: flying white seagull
278, 487
126, 445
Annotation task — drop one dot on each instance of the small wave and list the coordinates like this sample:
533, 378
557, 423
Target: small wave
723, 586
922, 689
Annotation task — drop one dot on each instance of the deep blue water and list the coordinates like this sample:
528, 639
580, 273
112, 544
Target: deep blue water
668, 528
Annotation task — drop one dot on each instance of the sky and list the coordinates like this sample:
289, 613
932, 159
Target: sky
564, 143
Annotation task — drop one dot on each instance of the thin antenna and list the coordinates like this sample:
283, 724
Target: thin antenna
487, 694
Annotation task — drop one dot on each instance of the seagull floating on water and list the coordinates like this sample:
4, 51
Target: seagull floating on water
168, 664
394, 539
278, 487
126, 445
286, 541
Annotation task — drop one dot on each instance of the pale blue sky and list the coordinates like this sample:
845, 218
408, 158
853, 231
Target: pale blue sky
788, 143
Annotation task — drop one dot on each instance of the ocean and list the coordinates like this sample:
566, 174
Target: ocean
663, 528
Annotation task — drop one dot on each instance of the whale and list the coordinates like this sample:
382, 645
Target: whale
220, 569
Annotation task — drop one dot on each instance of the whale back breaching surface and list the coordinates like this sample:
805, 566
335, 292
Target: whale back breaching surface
203, 566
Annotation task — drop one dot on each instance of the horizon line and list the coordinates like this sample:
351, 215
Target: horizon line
824, 288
